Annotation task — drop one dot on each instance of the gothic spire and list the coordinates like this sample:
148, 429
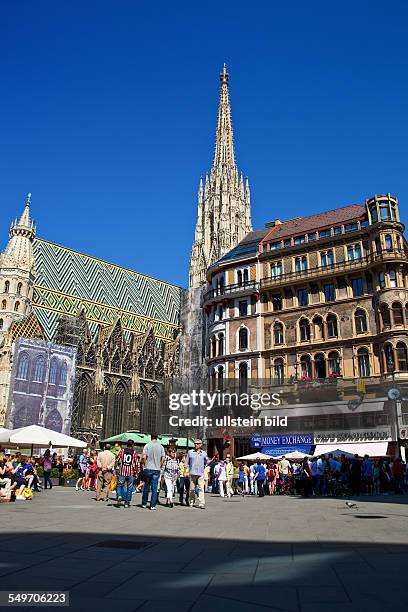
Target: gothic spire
224, 138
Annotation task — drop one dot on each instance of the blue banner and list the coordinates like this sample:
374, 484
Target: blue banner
277, 451
292, 441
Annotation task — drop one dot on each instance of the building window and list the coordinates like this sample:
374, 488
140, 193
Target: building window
277, 302
320, 366
303, 297
311, 237
397, 315
363, 360
304, 327
243, 376
279, 371
360, 319
287, 242
16, 306
299, 239
1, 324
357, 286
351, 227
374, 214
39, 369
6, 287
334, 363
23, 365
19, 287
393, 278
381, 280
385, 214
385, 316
327, 259
337, 231
402, 357
4, 305
388, 243
246, 278
276, 269
297, 264
389, 358
53, 372
332, 328
275, 245
278, 333
318, 327
239, 278
243, 308
220, 345
306, 366
243, 339
329, 292
325, 233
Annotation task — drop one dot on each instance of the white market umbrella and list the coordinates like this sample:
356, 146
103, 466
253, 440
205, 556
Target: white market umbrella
336, 452
255, 456
34, 435
295, 455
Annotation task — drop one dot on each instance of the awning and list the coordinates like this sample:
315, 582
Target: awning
372, 449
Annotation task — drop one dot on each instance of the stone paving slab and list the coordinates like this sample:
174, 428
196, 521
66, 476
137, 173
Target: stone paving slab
243, 555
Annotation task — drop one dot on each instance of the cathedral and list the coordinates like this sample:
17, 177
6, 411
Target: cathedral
130, 333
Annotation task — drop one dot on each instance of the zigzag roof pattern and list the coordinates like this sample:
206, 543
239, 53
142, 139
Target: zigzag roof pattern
67, 280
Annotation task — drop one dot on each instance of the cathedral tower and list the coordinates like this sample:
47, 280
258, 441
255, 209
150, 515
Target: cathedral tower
224, 210
17, 271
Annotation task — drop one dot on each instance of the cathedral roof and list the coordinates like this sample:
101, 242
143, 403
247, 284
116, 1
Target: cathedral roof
68, 281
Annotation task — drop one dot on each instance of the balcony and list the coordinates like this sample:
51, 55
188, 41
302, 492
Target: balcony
214, 295
343, 267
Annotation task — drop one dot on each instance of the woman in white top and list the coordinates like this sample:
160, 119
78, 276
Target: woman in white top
221, 477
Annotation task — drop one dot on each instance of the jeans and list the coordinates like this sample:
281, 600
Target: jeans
184, 488
260, 484
125, 488
151, 480
47, 479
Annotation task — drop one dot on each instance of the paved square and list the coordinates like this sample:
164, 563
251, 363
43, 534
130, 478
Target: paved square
244, 554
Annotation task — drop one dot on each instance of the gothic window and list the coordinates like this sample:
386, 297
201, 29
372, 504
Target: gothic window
90, 359
385, 316
39, 368
243, 339
118, 409
397, 314
160, 370
360, 320
54, 421
23, 366
23, 417
115, 365
278, 333
304, 327
306, 366
105, 358
127, 365
320, 365
332, 330
402, 358
1, 324
243, 376
84, 392
221, 344
53, 371
16, 306
4, 305
279, 371
6, 287
149, 414
63, 373
363, 360
334, 363
19, 287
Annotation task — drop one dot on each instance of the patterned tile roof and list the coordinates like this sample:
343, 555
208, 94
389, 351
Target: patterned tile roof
302, 225
67, 281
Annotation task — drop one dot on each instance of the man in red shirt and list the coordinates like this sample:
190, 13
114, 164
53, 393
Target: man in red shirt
397, 471
127, 465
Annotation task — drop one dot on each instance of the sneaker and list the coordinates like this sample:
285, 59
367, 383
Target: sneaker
76, 488
191, 504
201, 507
20, 497
144, 506
119, 499
152, 507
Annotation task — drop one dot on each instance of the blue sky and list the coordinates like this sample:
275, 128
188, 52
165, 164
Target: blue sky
108, 113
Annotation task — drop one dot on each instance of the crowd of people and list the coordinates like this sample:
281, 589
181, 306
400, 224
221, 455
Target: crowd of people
187, 476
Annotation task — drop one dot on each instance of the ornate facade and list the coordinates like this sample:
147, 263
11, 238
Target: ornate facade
124, 325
